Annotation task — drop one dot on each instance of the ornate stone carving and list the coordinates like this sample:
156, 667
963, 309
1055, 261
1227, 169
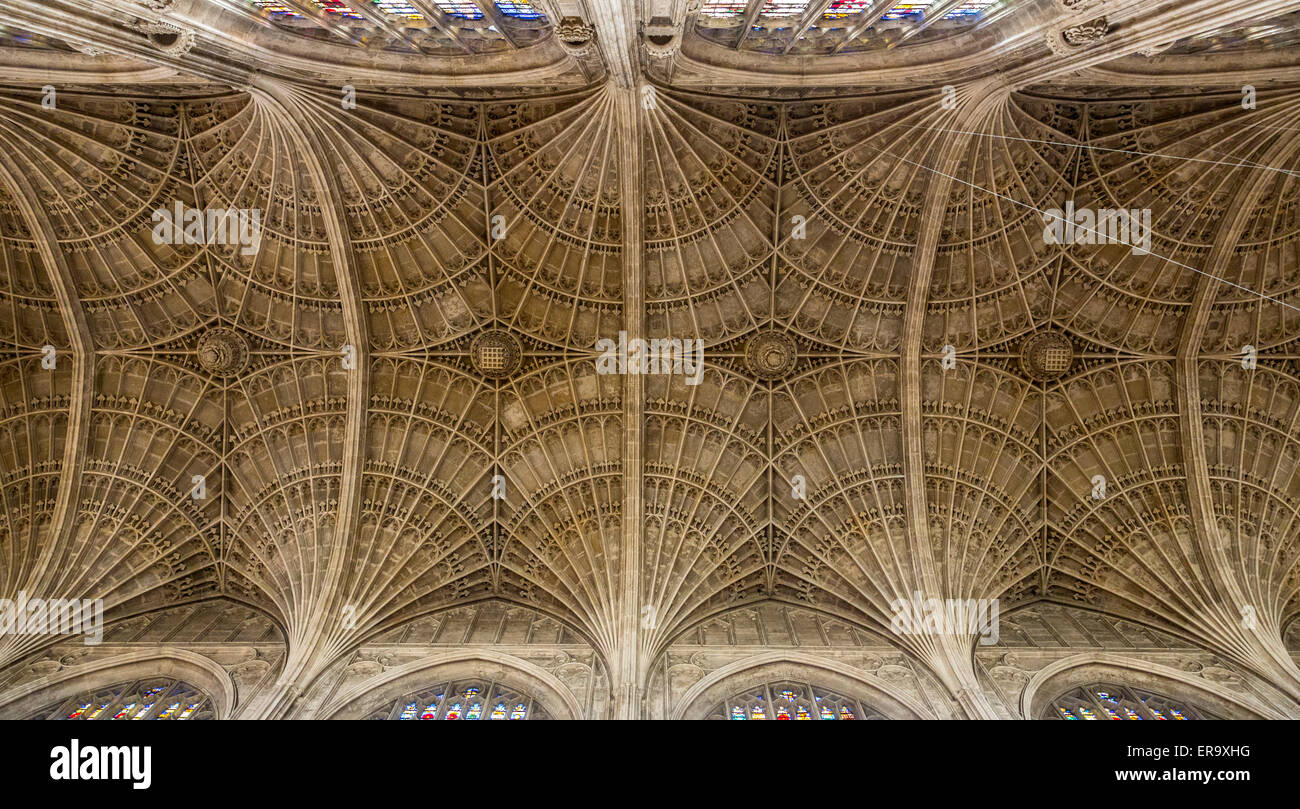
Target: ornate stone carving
1075, 7
1219, 674
661, 38
171, 40
223, 351
575, 36
1077, 37
496, 353
770, 355
363, 668
1085, 33
1046, 356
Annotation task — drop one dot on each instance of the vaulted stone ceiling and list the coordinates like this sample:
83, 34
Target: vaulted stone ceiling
438, 264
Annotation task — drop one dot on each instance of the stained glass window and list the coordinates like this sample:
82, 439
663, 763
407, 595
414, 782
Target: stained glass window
519, 9
170, 711
845, 8
793, 701
337, 8
276, 9
916, 9
156, 698
149, 699
722, 9
969, 9
1120, 703
400, 8
464, 700
783, 8
468, 11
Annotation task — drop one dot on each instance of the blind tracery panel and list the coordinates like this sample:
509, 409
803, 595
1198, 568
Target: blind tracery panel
1111, 701
788, 700
469, 699
156, 698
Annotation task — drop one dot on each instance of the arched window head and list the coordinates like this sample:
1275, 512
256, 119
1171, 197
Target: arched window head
466, 699
1112, 701
156, 698
793, 701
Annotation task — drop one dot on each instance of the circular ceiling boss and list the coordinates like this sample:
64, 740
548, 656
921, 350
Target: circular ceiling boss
496, 353
1046, 356
770, 355
223, 351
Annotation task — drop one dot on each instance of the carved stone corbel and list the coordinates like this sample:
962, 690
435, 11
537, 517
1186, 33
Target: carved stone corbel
169, 39
661, 38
